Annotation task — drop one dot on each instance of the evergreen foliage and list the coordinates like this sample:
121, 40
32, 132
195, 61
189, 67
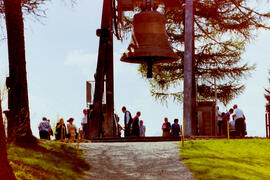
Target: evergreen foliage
222, 29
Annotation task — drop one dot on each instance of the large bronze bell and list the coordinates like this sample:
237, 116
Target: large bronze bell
149, 43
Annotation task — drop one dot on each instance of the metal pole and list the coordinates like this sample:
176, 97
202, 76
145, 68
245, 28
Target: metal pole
228, 130
182, 135
216, 115
266, 124
190, 125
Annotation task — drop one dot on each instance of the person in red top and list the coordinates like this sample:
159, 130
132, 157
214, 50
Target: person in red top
166, 127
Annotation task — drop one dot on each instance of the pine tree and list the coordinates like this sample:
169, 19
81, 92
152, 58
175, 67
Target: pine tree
222, 30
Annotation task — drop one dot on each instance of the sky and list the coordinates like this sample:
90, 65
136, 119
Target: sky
61, 54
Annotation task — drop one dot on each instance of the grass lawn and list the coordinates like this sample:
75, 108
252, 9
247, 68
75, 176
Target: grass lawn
50, 160
228, 159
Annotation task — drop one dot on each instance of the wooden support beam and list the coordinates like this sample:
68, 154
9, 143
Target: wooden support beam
108, 121
105, 44
129, 5
189, 78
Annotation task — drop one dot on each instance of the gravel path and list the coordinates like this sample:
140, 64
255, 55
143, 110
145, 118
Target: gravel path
139, 160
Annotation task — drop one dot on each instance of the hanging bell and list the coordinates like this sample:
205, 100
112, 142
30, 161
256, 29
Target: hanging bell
149, 43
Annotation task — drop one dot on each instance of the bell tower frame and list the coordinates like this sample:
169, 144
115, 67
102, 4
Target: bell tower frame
100, 125
189, 112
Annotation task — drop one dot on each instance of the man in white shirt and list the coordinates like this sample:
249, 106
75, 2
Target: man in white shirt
239, 119
85, 124
127, 121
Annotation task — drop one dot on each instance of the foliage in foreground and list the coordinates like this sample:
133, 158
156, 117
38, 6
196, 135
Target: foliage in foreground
228, 159
49, 160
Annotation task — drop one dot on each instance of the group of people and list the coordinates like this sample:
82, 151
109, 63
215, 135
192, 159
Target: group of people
170, 130
133, 126
61, 132
237, 125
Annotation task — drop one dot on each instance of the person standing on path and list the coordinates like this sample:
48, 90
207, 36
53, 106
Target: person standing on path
44, 129
51, 131
166, 127
71, 130
239, 118
219, 117
176, 128
119, 128
60, 131
135, 125
85, 124
225, 120
142, 129
127, 121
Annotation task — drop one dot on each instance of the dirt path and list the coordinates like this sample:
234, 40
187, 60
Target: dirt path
140, 160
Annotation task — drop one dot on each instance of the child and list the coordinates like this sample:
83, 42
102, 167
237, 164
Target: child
142, 129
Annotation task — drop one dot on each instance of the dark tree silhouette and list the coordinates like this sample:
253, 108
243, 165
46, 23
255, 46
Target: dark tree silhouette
6, 171
18, 115
19, 130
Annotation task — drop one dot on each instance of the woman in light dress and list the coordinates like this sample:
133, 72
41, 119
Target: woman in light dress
71, 130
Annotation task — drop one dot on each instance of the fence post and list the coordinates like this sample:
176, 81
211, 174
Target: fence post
228, 130
78, 142
182, 135
267, 124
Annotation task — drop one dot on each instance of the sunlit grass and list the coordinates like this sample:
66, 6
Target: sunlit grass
50, 160
228, 159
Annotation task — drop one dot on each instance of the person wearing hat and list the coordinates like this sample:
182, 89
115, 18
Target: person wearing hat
71, 129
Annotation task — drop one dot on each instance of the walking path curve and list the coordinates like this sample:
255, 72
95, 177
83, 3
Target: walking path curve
136, 160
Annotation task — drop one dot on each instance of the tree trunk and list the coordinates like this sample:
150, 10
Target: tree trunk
19, 130
5, 169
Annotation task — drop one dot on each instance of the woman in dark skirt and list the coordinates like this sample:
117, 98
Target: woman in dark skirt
60, 131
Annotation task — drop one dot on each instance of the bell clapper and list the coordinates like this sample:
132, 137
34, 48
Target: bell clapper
149, 69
